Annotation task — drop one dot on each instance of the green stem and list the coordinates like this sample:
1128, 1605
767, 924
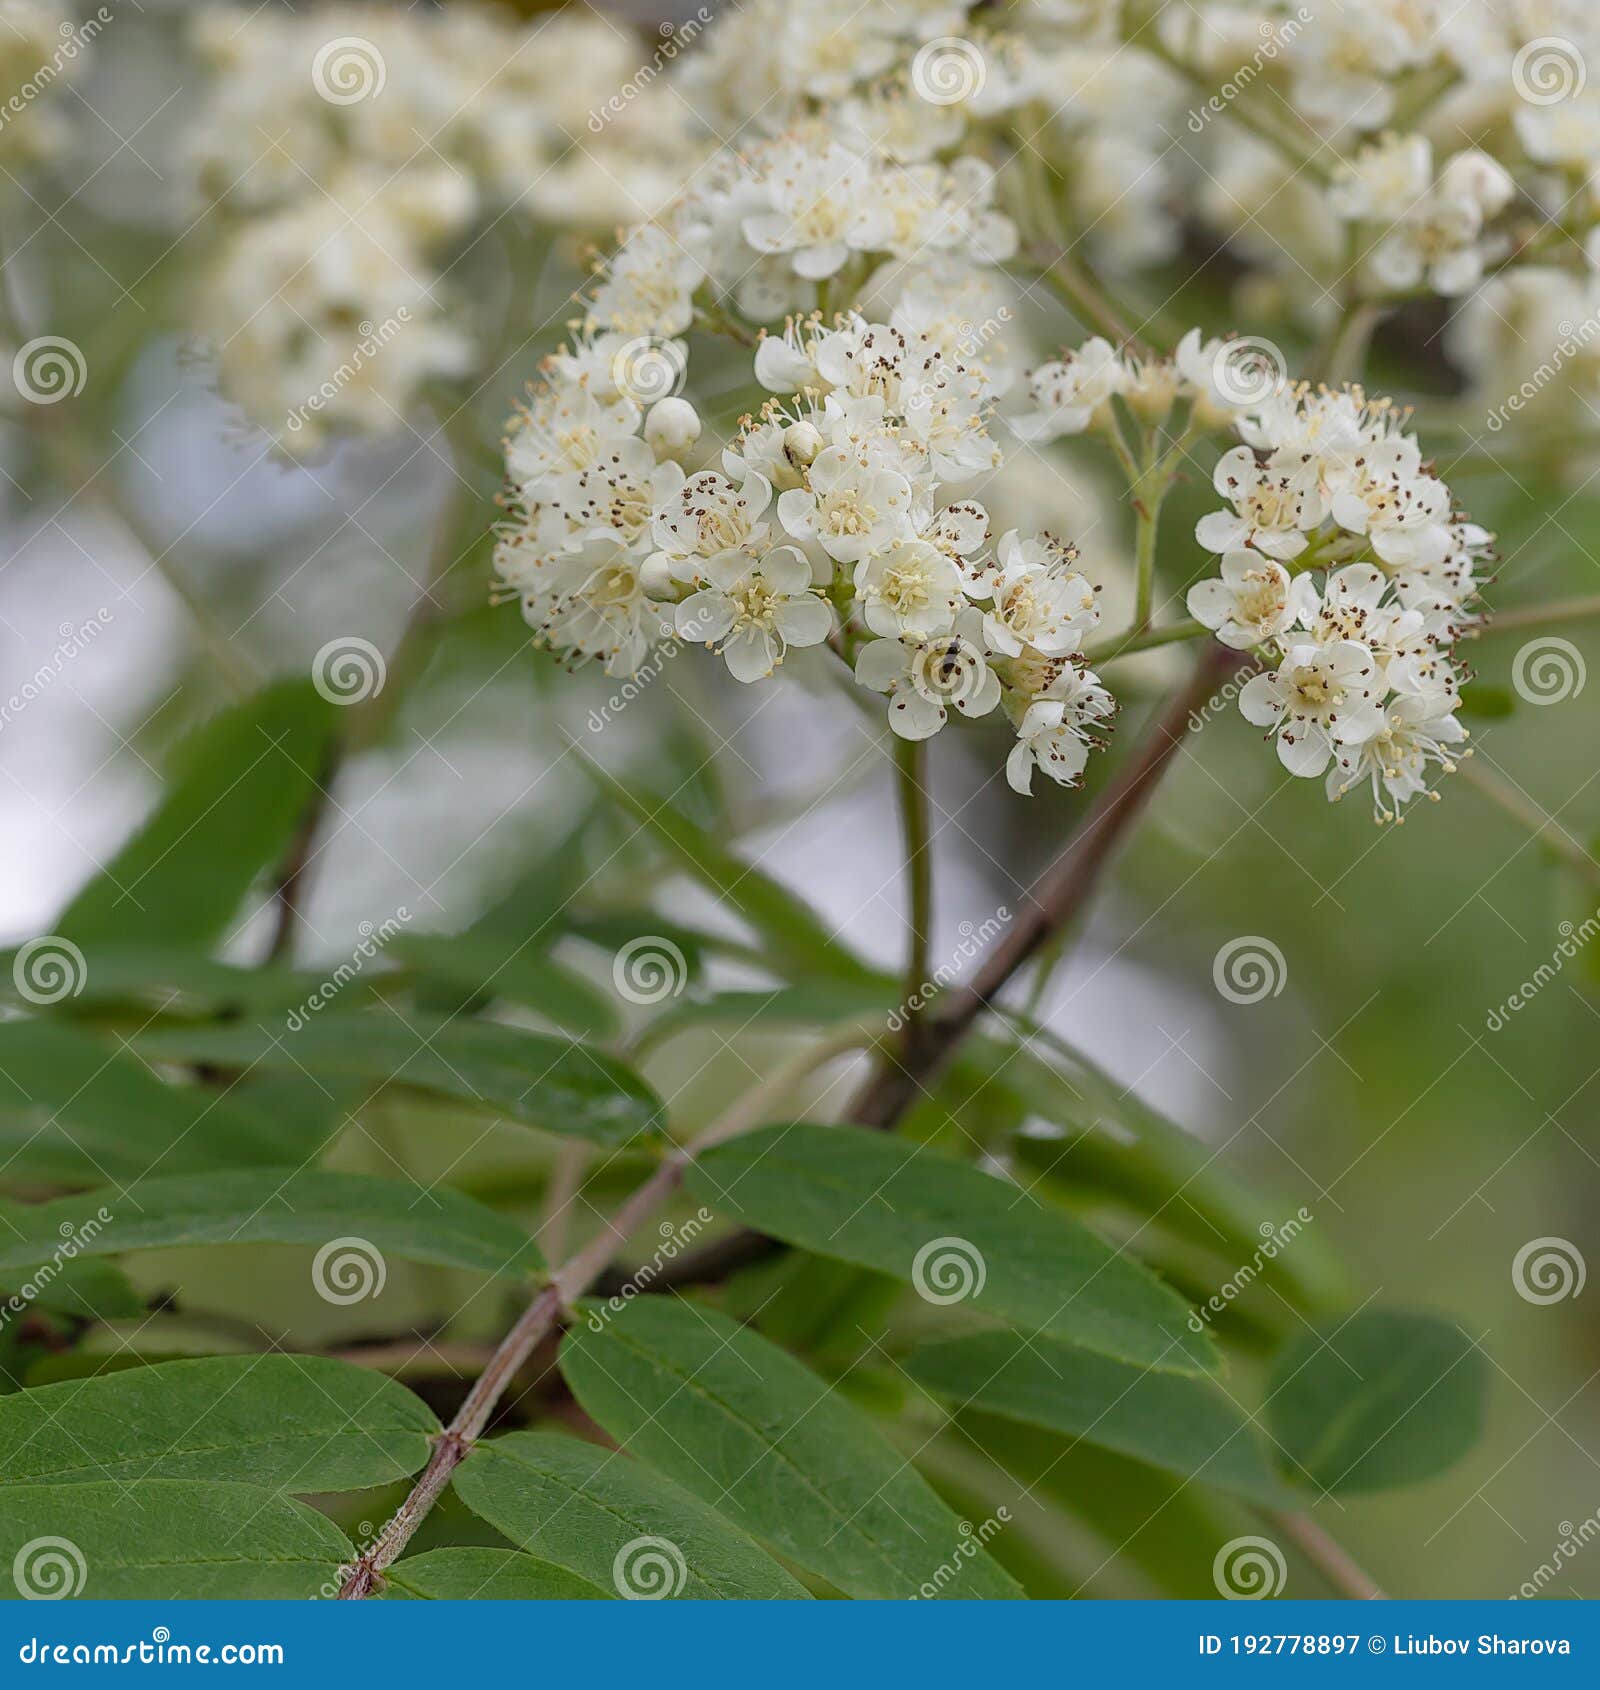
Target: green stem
1302, 154
1527, 815
910, 770
1533, 615
1135, 639
1082, 295
1346, 356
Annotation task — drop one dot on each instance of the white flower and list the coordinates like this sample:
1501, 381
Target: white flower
1405, 512
961, 532
1038, 600
1069, 394
713, 530
1417, 731
566, 428
821, 209
1349, 608
1385, 181
586, 598
1056, 732
1272, 505
618, 494
945, 412
910, 588
756, 609
1321, 697
648, 287
850, 507
928, 677
1248, 605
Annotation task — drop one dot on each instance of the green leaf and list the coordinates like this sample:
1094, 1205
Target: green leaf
171, 1539
1488, 703
487, 1575
1121, 1148
543, 1082
1185, 1426
587, 1509
951, 1230
791, 927
79, 1290
1381, 1400
242, 784
744, 1425
75, 1107
272, 1206
170, 981
808, 1004
488, 966
300, 1423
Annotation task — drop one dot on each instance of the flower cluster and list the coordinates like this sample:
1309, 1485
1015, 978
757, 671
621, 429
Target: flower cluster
841, 514
1347, 569
349, 154
40, 46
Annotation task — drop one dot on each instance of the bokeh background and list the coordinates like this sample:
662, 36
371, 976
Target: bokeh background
1372, 1090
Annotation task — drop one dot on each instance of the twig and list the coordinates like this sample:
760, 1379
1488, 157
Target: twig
1527, 814
1067, 888
1532, 615
1334, 1563
565, 1286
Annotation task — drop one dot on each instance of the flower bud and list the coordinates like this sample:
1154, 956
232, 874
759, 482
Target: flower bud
655, 576
672, 426
802, 441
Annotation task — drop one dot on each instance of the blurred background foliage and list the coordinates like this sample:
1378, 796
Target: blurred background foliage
1428, 1148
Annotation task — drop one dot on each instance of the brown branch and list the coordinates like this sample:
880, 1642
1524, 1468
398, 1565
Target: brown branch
1335, 1564
902, 1073
550, 1303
